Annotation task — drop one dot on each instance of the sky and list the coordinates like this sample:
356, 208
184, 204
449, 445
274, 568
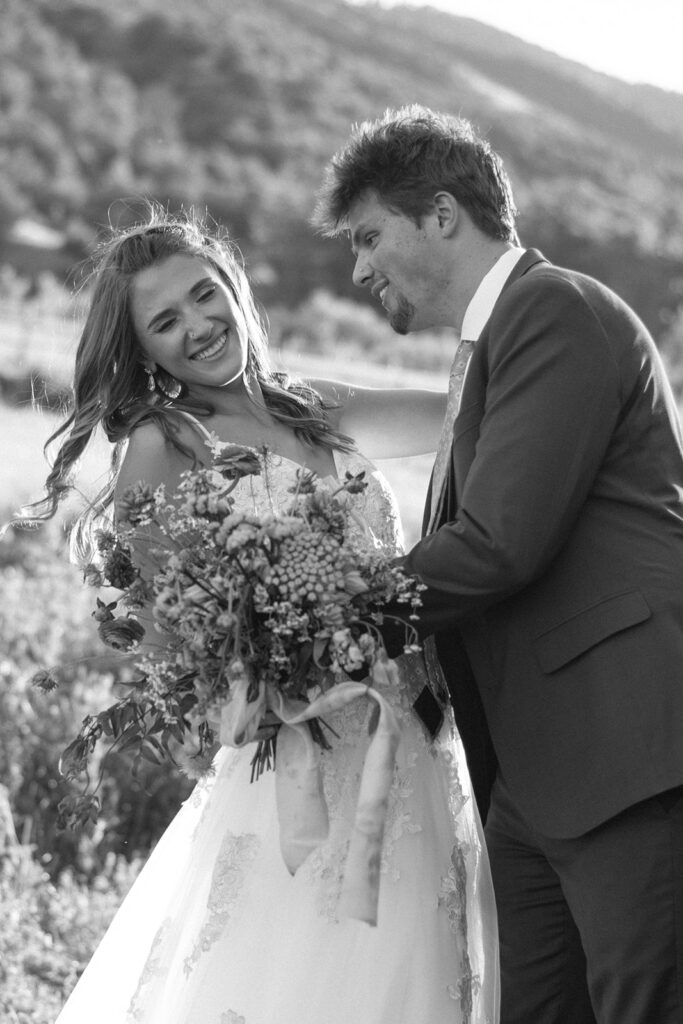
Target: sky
637, 40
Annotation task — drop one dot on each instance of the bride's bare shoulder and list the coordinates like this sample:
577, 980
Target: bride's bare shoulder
153, 458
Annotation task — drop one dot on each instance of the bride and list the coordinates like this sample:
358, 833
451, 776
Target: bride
215, 930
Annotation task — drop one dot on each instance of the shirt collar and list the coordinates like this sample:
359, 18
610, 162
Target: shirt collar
484, 299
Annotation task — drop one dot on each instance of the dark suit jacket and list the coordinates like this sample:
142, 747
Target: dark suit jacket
560, 555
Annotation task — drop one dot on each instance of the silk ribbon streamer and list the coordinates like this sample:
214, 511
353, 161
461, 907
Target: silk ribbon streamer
302, 811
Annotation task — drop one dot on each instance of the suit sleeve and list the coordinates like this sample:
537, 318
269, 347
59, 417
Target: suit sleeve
552, 402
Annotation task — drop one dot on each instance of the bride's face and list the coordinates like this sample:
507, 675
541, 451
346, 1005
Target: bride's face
189, 323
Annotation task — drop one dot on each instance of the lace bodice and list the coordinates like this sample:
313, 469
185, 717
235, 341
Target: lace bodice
376, 505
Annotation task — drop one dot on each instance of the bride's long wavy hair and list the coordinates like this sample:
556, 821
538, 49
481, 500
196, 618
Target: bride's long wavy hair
110, 386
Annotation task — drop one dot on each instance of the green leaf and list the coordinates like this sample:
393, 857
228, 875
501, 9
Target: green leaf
150, 755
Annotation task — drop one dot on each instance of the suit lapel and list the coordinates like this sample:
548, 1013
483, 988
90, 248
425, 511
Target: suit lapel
427, 514
449, 503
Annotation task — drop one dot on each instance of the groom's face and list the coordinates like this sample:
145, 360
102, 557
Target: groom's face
400, 261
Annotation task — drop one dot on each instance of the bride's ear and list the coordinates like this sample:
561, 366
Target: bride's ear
447, 211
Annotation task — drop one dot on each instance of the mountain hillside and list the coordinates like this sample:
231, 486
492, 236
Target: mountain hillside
236, 105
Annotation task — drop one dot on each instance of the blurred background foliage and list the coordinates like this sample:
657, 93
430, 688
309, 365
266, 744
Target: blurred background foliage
235, 107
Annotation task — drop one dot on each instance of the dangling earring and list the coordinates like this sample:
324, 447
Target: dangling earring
151, 383
169, 386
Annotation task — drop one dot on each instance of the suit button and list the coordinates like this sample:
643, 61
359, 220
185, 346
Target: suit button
458, 527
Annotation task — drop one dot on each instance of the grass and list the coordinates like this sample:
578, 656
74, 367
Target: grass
48, 933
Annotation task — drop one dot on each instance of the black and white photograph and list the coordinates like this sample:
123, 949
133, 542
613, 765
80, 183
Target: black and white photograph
341, 512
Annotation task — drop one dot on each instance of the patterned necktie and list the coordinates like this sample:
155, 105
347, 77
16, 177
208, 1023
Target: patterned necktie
434, 698
455, 382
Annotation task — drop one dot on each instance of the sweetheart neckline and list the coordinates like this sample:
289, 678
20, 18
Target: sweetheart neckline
209, 435
285, 458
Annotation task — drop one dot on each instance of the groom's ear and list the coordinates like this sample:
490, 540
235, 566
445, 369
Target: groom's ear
447, 211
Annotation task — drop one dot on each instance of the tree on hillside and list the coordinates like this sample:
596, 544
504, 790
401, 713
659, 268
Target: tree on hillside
237, 108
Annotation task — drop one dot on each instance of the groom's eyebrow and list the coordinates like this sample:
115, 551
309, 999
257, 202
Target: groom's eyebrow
357, 235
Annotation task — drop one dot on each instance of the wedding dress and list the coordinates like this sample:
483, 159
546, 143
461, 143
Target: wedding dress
216, 931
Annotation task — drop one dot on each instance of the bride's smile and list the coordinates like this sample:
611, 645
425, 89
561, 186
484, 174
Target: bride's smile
189, 323
211, 350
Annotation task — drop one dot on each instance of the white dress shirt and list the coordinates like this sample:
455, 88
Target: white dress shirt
477, 313
487, 294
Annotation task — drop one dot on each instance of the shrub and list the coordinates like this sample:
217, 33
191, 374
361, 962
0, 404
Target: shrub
328, 325
45, 621
48, 931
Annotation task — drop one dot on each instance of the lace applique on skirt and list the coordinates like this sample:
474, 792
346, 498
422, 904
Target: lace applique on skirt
232, 863
150, 971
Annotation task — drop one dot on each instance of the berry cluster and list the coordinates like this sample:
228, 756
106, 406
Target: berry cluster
308, 569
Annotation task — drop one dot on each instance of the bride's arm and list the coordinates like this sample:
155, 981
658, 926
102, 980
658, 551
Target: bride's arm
151, 460
385, 423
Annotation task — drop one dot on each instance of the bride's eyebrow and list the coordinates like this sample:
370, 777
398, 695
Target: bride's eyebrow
201, 284
193, 292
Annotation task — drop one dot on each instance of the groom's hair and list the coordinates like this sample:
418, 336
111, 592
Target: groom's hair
406, 157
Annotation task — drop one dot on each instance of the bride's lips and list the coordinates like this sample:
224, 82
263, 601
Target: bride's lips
214, 348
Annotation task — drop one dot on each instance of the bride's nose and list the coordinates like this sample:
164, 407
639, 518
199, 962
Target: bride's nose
197, 327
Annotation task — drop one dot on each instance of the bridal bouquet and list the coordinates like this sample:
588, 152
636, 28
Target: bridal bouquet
241, 622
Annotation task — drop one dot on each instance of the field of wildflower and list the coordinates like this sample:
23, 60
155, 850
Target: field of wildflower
59, 888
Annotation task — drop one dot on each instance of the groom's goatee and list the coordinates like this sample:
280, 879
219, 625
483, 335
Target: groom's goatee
401, 319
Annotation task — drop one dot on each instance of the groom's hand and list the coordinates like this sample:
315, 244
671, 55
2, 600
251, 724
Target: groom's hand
393, 623
397, 619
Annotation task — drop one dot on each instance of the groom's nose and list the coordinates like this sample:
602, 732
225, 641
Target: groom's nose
362, 272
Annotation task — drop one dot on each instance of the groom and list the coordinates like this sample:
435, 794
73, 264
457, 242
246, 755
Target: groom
553, 551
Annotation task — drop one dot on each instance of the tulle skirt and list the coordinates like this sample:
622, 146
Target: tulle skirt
216, 931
